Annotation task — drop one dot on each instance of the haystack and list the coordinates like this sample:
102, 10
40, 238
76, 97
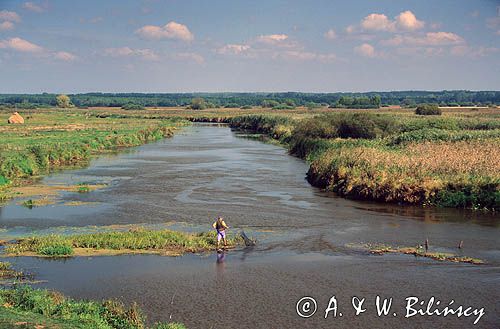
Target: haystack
15, 118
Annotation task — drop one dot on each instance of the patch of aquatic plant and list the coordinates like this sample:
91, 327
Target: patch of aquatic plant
31, 203
82, 188
138, 239
28, 204
41, 308
419, 251
7, 272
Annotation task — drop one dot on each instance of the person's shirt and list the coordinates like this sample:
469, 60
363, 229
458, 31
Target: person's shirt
220, 225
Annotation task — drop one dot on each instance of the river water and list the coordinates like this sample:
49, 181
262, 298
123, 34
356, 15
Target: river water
303, 241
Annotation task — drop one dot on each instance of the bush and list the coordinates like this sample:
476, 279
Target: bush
132, 107
357, 126
428, 109
198, 104
346, 125
246, 107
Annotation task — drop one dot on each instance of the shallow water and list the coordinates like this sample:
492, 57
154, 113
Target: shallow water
207, 170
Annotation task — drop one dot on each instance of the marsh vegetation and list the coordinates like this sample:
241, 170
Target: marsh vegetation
395, 157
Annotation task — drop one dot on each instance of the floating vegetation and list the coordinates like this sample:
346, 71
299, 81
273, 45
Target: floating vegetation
420, 251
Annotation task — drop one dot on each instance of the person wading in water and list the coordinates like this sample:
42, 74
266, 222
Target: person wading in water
220, 226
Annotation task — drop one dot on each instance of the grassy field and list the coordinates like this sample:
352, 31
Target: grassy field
52, 139
164, 242
25, 307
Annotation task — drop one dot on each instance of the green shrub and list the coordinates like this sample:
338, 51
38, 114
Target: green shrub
132, 106
428, 109
357, 126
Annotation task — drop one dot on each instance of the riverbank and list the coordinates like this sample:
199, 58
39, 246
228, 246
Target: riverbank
56, 139
25, 307
444, 161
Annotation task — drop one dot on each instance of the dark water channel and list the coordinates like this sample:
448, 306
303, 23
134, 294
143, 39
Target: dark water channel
207, 170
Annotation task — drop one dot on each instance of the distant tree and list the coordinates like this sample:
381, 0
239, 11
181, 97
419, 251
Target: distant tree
64, 101
198, 103
290, 102
132, 106
428, 109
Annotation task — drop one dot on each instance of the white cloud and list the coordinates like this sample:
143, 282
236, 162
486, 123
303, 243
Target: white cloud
5, 26
365, 50
272, 38
145, 54
9, 16
405, 21
330, 34
171, 30
21, 45
65, 56
33, 7
232, 49
298, 55
377, 22
429, 39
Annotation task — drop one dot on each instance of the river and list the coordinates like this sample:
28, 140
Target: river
303, 235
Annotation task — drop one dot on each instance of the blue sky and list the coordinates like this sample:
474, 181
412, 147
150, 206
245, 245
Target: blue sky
230, 45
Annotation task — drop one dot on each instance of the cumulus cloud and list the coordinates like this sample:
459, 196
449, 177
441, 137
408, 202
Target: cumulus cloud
330, 34
21, 45
377, 22
9, 16
145, 54
405, 21
171, 30
365, 50
31, 6
5, 26
408, 21
429, 39
232, 49
65, 56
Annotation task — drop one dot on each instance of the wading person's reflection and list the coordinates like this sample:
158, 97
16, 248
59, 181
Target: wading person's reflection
221, 256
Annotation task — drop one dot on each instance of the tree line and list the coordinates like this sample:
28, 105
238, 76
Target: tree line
281, 100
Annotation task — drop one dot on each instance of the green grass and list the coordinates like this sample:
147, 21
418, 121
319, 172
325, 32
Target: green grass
53, 310
145, 240
52, 139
